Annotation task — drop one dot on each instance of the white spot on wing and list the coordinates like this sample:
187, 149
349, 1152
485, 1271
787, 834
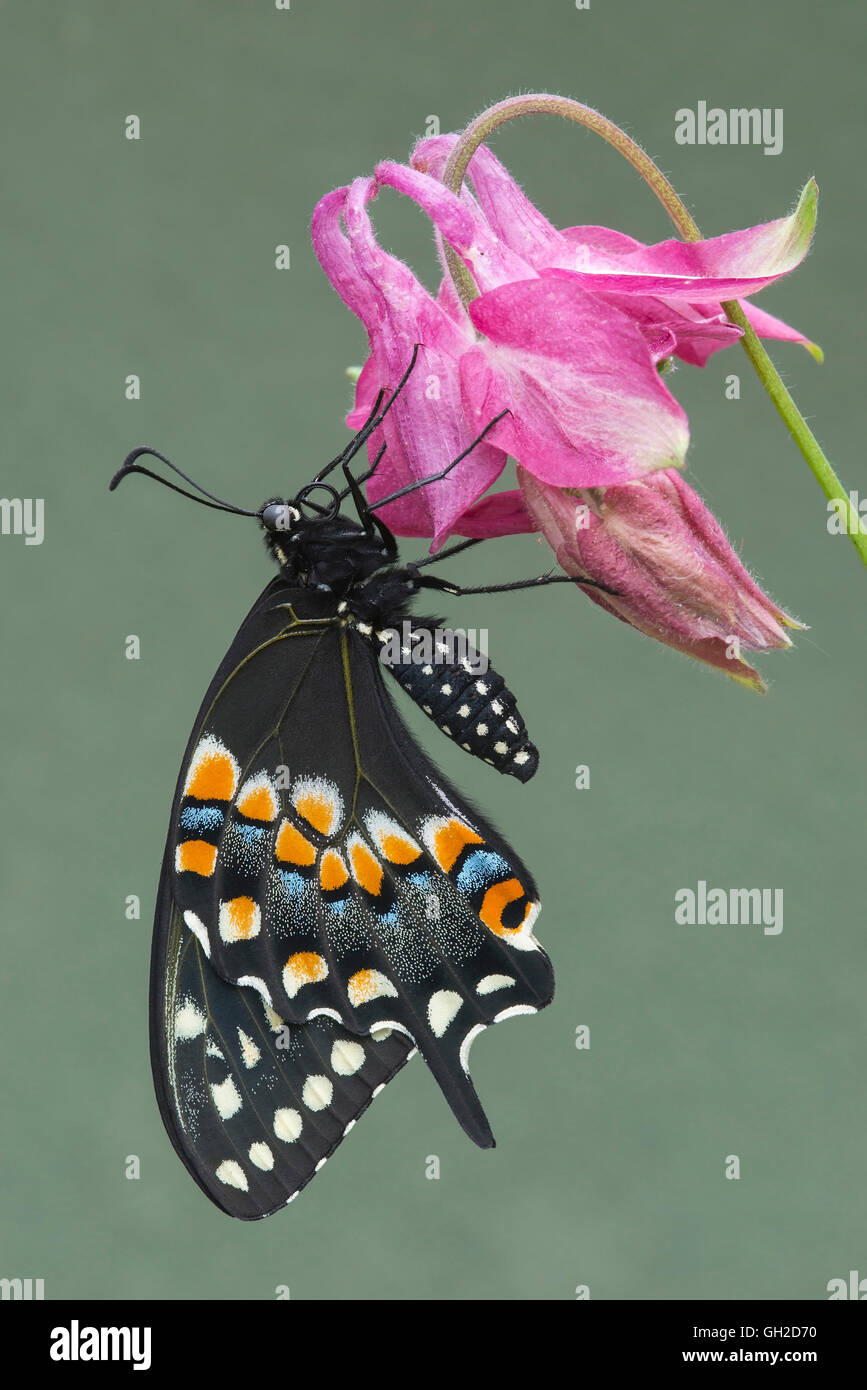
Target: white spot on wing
199, 930
287, 1124
514, 1011
467, 1044
226, 1098
250, 1053
441, 1009
317, 1092
190, 1022
232, 1174
253, 982
489, 983
347, 1058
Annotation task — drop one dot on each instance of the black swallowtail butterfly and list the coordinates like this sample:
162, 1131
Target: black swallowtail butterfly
329, 904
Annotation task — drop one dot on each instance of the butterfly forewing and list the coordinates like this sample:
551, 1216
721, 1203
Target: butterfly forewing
321, 875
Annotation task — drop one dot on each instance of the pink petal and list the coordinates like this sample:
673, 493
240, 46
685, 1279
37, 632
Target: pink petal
607, 244
723, 267
677, 328
464, 228
587, 404
426, 427
509, 212
335, 256
498, 514
366, 391
769, 327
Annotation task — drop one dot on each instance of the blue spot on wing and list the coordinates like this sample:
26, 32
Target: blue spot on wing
481, 870
423, 880
251, 834
201, 818
294, 884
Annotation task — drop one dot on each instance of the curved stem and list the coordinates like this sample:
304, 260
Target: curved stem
545, 104
541, 105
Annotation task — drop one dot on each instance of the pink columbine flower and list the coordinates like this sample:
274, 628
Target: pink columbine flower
566, 335
675, 576
672, 290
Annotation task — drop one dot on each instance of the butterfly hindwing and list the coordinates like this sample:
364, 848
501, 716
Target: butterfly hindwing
255, 1106
322, 874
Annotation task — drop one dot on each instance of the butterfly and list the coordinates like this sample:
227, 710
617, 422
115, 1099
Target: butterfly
329, 904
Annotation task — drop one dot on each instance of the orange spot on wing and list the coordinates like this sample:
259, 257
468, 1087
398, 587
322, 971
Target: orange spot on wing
258, 804
365, 985
242, 916
366, 870
495, 902
398, 849
450, 839
332, 870
213, 778
317, 810
196, 857
293, 848
307, 966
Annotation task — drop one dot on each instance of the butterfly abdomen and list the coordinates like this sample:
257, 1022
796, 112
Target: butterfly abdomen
456, 687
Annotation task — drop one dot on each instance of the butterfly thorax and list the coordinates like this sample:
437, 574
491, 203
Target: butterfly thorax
339, 556
334, 552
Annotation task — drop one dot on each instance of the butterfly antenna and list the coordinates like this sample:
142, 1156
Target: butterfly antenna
130, 465
373, 421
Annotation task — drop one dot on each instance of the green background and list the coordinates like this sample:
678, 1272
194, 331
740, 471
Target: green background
157, 257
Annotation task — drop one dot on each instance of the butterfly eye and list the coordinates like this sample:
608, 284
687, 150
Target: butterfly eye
280, 516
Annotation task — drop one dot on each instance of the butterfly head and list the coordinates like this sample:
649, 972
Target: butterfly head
314, 544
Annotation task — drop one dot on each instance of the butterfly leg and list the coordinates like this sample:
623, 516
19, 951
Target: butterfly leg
428, 581
443, 473
365, 515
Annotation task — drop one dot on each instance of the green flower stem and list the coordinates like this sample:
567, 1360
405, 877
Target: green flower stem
797, 425
543, 104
